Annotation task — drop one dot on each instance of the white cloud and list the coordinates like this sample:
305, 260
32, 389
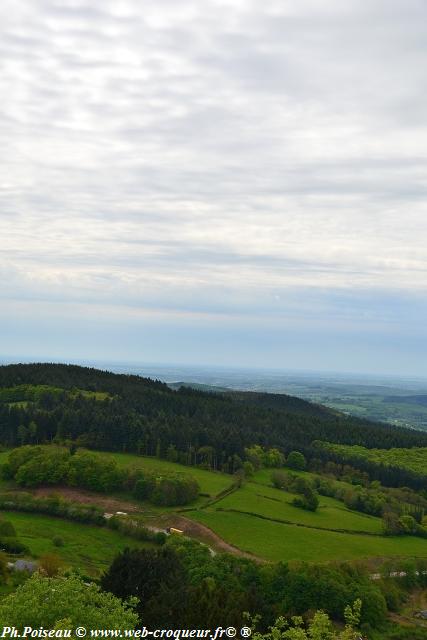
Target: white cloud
168, 153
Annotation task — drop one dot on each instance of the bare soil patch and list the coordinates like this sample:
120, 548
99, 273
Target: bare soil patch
204, 534
109, 504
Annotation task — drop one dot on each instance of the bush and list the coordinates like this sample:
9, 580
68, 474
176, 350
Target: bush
47, 467
64, 602
174, 490
309, 500
296, 461
50, 564
167, 490
13, 546
95, 472
7, 529
58, 541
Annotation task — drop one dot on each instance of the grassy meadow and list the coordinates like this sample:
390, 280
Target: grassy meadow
275, 504
256, 518
211, 483
285, 542
88, 547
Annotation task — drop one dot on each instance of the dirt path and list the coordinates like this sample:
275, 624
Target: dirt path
204, 534
109, 504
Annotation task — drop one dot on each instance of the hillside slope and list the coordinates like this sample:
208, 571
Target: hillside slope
145, 416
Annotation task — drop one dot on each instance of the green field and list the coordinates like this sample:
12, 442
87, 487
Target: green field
414, 459
276, 505
210, 482
88, 547
282, 542
257, 518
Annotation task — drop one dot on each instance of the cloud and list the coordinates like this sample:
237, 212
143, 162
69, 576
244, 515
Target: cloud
227, 158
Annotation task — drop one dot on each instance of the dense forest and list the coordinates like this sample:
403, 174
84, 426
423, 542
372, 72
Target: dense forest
140, 415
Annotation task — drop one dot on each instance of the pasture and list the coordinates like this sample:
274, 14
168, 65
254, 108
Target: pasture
88, 547
285, 542
276, 505
211, 482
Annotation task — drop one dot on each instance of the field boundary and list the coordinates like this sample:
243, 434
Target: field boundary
300, 524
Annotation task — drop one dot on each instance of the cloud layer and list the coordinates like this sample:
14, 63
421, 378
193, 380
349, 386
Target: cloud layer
229, 160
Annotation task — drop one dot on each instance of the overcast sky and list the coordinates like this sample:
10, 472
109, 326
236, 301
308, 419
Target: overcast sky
224, 182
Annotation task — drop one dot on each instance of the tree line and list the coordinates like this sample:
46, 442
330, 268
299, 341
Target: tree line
192, 427
32, 466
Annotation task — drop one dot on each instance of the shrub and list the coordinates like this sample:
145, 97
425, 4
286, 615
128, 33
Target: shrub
309, 500
95, 472
7, 529
58, 541
50, 564
13, 546
49, 467
167, 490
296, 461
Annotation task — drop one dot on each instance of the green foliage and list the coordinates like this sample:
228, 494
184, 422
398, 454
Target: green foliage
372, 502
393, 466
33, 466
156, 577
172, 453
408, 524
47, 602
319, 628
94, 472
171, 491
86, 546
3, 568
309, 500
7, 529
12, 546
199, 590
248, 469
148, 417
166, 490
296, 461
74, 511
264, 457
45, 466
395, 525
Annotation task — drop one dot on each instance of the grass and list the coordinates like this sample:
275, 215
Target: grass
263, 476
88, 547
281, 542
210, 482
257, 518
275, 504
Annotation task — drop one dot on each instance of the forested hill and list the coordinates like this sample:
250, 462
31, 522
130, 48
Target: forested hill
104, 410
68, 376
